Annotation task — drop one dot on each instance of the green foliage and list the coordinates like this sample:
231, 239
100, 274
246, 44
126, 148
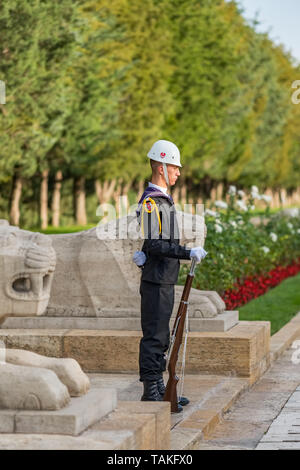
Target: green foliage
91, 84
238, 248
37, 39
145, 49
91, 126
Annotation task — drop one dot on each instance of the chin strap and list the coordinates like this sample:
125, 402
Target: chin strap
166, 173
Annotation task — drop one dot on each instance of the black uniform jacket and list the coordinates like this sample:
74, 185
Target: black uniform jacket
159, 227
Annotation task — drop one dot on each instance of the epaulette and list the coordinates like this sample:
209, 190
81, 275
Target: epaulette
149, 205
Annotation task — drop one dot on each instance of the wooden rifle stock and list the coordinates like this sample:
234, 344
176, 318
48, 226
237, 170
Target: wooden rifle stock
171, 391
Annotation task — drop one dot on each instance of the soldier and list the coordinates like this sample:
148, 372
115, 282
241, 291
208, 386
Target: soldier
159, 260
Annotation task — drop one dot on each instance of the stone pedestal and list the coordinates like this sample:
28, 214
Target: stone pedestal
73, 419
242, 351
221, 322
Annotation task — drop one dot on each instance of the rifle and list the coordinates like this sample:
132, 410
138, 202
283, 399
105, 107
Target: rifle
177, 333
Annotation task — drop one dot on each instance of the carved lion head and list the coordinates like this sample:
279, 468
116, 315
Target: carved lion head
27, 264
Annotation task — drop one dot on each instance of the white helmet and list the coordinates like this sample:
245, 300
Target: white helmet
165, 152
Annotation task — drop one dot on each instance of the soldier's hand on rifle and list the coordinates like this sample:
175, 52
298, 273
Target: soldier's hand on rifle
139, 258
198, 252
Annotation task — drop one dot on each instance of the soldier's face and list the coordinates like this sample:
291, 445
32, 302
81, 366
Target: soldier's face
173, 174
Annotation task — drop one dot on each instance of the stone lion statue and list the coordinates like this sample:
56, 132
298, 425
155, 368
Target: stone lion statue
27, 264
29, 380
96, 283
95, 276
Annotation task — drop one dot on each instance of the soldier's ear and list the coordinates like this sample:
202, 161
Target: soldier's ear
161, 170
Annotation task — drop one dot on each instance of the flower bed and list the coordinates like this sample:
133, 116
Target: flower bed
246, 257
253, 287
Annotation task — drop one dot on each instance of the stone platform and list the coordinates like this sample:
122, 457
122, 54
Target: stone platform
243, 351
140, 425
73, 419
222, 322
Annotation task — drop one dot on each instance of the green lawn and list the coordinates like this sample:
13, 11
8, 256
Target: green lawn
278, 305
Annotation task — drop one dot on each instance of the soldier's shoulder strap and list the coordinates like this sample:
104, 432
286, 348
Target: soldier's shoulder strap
149, 205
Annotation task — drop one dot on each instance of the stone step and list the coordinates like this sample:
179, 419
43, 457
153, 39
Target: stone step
115, 441
131, 426
73, 419
210, 396
144, 425
222, 322
200, 418
147, 423
161, 412
243, 350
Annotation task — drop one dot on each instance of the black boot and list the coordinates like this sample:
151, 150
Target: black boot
150, 391
162, 389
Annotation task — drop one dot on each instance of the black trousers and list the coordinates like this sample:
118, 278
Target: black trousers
157, 301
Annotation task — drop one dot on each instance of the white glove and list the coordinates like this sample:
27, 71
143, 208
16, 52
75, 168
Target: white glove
198, 252
139, 258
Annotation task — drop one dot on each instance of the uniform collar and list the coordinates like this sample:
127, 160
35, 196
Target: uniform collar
163, 190
150, 191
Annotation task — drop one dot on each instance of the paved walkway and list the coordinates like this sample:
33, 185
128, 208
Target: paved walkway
284, 432
266, 415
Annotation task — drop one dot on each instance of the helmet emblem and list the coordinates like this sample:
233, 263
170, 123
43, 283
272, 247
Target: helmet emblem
149, 207
162, 154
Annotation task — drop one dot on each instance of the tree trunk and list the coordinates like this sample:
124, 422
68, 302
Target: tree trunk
104, 191
116, 196
80, 209
124, 200
126, 188
56, 199
14, 215
213, 195
219, 191
98, 189
44, 200
108, 190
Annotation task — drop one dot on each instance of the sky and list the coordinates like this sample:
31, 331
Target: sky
281, 17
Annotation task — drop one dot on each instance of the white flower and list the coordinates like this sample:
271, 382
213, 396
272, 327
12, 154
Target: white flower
242, 205
298, 231
290, 226
273, 236
232, 190
221, 256
265, 249
255, 192
221, 204
212, 213
241, 193
241, 222
294, 212
252, 207
218, 228
233, 223
266, 198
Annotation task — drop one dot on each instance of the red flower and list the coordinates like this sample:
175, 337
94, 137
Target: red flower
253, 287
